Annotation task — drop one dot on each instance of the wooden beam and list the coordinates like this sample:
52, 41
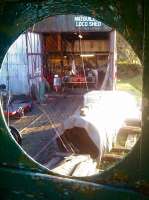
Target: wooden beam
130, 130
111, 157
77, 53
69, 164
133, 122
120, 149
86, 168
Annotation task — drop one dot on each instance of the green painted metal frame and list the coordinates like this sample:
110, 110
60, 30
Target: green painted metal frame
21, 177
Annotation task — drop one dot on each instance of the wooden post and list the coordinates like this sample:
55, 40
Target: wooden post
112, 59
59, 41
28, 71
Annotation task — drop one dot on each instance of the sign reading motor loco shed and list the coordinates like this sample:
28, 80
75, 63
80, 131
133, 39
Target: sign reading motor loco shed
70, 23
83, 21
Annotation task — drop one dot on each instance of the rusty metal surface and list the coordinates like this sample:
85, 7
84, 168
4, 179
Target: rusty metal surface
20, 177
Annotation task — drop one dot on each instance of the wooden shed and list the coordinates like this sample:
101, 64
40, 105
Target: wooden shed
76, 44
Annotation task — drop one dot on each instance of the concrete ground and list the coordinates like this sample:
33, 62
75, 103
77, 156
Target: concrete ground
39, 127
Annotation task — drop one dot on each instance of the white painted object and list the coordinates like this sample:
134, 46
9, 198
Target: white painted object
103, 115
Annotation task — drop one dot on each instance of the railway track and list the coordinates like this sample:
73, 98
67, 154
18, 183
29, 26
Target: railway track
74, 164
40, 131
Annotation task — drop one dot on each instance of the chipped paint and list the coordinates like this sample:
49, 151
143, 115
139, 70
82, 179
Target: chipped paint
21, 178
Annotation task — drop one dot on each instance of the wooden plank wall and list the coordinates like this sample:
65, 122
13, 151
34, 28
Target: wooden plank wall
53, 43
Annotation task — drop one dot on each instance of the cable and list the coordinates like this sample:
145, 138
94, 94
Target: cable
143, 57
56, 131
60, 136
80, 41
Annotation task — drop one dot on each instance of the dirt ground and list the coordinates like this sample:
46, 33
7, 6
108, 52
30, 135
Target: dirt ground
40, 126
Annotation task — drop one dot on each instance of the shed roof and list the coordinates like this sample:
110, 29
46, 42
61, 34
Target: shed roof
70, 23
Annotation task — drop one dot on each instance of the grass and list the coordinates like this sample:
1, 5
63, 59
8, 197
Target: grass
131, 85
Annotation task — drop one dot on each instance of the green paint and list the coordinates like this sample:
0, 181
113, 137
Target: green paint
22, 177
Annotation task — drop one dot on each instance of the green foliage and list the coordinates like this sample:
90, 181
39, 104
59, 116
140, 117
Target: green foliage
125, 53
132, 85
